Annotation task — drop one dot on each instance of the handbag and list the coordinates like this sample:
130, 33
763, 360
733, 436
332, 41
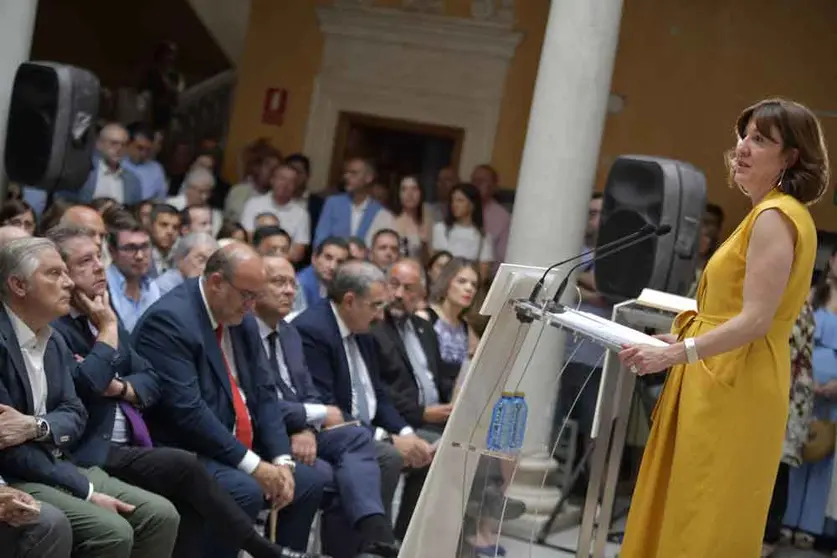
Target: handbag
821, 439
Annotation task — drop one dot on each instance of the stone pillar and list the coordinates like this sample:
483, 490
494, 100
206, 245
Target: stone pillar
17, 22
550, 209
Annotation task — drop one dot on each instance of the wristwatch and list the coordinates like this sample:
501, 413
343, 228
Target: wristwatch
41, 428
287, 461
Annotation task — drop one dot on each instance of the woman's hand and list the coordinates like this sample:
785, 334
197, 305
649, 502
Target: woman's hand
646, 359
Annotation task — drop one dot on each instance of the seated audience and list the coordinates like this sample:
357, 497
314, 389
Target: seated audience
386, 248
315, 278
319, 430
495, 218
414, 219
355, 212
280, 201
343, 361
272, 241
266, 219
116, 385
234, 231
140, 161
195, 195
32, 529
88, 218
108, 178
219, 399
19, 214
310, 201
165, 229
131, 286
197, 218
44, 418
357, 248
409, 362
260, 160
189, 257
462, 232
435, 264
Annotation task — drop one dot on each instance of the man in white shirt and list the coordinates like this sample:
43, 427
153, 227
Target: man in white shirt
44, 417
279, 201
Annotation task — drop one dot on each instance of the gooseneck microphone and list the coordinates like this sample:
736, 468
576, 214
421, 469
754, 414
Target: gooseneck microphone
656, 231
644, 232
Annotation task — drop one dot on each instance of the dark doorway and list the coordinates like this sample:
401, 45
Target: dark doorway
398, 148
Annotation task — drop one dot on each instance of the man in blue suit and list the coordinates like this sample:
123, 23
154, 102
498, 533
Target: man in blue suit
314, 279
356, 212
342, 358
108, 178
219, 399
42, 417
319, 430
115, 384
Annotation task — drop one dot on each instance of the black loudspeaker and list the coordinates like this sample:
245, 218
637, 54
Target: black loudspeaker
50, 135
650, 190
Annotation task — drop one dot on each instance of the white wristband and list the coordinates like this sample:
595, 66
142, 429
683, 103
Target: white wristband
691, 350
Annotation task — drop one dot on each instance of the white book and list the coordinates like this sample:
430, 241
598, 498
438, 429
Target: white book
666, 301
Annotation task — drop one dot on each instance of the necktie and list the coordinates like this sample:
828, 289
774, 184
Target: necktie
284, 388
140, 435
243, 425
359, 391
428, 393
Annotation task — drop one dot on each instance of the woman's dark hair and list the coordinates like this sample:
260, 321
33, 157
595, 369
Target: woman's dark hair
808, 177
398, 209
439, 288
823, 288
438, 255
13, 208
473, 194
228, 228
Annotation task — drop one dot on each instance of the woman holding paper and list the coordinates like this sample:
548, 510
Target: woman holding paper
710, 464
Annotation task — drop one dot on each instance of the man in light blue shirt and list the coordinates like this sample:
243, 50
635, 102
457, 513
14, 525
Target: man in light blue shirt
131, 288
139, 161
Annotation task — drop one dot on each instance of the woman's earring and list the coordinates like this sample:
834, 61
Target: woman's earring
781, 178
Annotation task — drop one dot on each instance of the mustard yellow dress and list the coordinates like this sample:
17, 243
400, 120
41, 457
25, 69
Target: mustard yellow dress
708, 471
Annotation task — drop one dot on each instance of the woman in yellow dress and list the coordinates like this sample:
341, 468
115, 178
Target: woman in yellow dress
710, 464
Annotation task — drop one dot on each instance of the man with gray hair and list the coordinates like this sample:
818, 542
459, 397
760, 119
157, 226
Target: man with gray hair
10, 232
188, 258
343, 359
46, 418
196, 189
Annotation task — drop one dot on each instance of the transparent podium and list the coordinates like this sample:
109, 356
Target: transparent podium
462, 501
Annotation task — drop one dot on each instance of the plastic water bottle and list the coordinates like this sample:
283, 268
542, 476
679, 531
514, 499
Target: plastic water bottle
521, 413
500, 428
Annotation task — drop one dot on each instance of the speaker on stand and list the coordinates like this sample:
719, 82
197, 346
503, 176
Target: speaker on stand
50, 133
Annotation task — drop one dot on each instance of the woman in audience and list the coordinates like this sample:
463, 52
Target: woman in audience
233, 230
436, 264
450, 297
18, 213
462, 232
809, 484
413, 223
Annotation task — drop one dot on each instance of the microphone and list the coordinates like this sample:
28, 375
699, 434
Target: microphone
657, 231
644, 232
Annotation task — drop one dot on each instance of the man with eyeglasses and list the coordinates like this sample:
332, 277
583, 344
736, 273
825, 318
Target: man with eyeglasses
219, 398
319, 435
344, 362
132, 289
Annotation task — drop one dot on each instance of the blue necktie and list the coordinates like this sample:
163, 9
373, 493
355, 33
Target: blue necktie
354, 358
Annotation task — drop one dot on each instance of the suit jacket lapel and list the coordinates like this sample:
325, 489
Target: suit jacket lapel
13, 347
210, 342
395, 337
426, 337
286, 353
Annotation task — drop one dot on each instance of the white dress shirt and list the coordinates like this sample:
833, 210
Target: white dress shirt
357, 368
33, 348
251, 460
384, 219
109, 183
315, 413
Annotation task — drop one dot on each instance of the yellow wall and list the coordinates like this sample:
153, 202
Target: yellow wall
685, 69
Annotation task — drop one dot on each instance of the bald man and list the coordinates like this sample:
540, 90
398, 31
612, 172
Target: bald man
220, 400
108, 178
10, 232
88, 218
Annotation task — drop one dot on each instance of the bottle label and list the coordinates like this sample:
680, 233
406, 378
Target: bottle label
501, 428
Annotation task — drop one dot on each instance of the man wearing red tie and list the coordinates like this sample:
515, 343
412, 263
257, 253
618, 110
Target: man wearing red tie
218, 398
116, 384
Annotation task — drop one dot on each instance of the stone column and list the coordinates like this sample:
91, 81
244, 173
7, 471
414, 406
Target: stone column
550, 209
17, 22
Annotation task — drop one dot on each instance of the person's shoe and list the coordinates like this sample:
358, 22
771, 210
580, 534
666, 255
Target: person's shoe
379, 550
494, 505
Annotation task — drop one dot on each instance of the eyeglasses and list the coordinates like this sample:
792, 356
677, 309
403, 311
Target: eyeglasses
134, 248
246, 295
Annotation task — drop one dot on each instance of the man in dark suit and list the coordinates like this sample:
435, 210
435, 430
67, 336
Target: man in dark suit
115, 384
42, 417
343, 361
219, 399
319, 430
409, 363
